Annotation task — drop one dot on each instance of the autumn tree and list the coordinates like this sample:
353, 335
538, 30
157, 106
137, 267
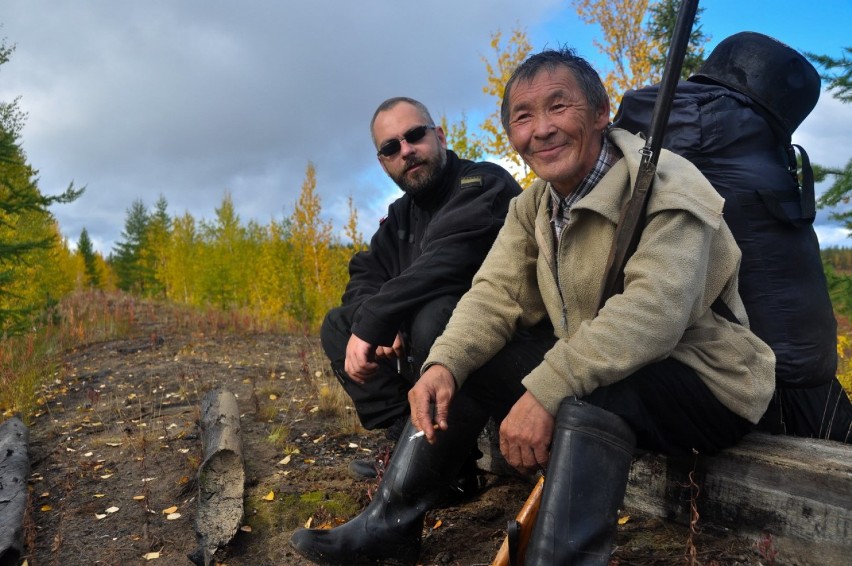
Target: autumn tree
181, 272
461, 140
312, 291
494, 141
637, 50
230, 252
625, 43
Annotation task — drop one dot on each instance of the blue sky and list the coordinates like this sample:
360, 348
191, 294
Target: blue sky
195, 99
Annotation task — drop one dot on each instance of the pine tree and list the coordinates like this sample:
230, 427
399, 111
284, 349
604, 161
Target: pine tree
90, 264
838, 195
127, 261
28, 234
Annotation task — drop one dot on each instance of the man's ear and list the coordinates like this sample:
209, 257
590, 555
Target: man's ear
441, 136
602, 116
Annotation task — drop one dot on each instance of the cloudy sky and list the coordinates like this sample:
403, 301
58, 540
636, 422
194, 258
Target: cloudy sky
193, 99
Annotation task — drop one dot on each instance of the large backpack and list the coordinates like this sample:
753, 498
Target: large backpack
741, 142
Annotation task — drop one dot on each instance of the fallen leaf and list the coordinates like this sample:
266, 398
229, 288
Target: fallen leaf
113, 444
438, 523
285, 460
352, 445
112, 509
171, 509
183, 450
46, 508
106, 476
172, 516
99, 516
308, 522
269, 496
273, 396
45, 494
246, 528
623, 520
151, 555
89, 454
138, 497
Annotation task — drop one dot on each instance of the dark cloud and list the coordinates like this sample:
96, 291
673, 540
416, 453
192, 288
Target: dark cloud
193, 99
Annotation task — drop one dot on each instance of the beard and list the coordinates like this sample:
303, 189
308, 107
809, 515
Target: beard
423, 179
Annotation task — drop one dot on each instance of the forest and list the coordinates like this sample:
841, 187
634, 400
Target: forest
289, 273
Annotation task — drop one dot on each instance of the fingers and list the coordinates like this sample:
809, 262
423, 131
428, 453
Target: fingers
397, 347
435, 387
525, 435
359, 363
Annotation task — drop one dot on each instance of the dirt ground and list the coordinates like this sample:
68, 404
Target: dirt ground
116, 447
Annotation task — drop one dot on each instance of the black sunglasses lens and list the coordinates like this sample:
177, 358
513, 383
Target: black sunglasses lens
414, 135
390, 148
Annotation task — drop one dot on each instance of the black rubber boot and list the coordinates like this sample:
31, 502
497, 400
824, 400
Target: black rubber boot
389, 529
583, 488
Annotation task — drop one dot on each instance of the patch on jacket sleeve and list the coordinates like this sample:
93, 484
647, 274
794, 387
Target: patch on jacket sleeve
472, 181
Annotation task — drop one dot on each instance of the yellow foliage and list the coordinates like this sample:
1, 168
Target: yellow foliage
626, 43
844, 363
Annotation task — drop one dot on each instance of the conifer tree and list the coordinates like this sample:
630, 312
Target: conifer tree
127, 261
90, 265
27, 229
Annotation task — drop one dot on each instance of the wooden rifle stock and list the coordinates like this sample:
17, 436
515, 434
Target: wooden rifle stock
525, 520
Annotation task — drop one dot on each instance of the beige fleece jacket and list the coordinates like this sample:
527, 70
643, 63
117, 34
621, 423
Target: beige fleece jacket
685, 259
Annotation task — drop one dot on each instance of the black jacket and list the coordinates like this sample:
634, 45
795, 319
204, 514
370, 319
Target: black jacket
429, 246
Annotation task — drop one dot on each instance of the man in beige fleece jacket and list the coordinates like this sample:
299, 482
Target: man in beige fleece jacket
656, 368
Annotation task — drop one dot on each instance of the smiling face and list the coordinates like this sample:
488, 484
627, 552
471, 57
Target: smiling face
554, 129
418, 165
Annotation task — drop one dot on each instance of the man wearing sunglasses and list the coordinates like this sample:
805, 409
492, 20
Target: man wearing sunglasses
421, 260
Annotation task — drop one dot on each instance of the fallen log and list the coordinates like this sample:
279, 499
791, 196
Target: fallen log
792, 495
221, 476
14, 471
796, 490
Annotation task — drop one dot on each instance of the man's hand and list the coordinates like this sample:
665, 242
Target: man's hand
525, 435
437, 386
360, 363
395, 352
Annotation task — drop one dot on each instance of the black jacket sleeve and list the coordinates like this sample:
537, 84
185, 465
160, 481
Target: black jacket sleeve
455, 243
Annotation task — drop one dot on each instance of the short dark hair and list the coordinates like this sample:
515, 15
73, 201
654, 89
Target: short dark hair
391, 102
549, 59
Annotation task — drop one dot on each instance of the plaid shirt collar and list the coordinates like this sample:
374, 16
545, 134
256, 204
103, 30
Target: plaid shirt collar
560, 206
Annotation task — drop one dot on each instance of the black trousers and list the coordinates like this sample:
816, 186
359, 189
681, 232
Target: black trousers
383, 400
814, 412
666, 404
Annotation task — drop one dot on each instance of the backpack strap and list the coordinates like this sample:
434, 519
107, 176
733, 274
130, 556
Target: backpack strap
802, 194
719, 307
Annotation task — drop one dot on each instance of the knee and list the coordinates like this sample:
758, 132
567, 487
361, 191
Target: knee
430, 320
335, 332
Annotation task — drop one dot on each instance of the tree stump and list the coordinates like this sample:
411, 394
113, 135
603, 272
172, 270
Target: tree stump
14, 471
221, 476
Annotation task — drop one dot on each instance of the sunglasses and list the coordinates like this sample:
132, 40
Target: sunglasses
414, 135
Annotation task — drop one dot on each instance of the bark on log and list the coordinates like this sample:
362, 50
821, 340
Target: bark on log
798, 490
221, 476
14, 471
